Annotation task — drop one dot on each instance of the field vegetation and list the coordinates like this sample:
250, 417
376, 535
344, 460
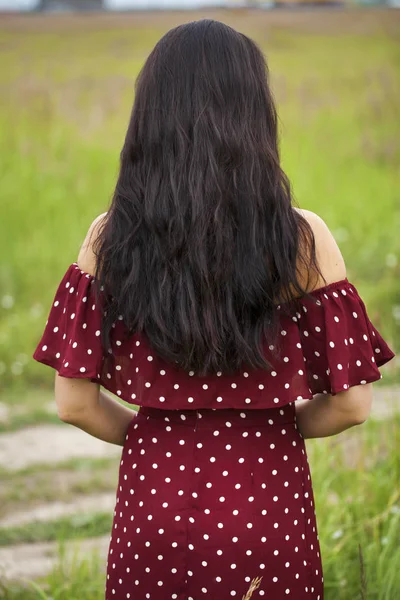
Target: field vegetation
67, 87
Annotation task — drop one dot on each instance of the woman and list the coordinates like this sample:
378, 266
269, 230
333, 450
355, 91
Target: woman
207, 299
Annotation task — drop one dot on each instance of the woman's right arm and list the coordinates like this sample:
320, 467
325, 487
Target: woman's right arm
326, 415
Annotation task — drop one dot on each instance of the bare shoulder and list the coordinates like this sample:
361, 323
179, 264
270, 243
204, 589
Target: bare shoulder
86, 258
329, 256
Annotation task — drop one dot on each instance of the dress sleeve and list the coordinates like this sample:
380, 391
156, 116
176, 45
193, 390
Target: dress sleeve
71, 341
341, 346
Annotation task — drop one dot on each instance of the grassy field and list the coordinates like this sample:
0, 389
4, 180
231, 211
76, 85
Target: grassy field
66, 91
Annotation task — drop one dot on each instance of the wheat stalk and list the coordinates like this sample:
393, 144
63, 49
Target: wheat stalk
253, 586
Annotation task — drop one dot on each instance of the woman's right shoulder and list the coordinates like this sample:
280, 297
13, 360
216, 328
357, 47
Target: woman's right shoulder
329, 257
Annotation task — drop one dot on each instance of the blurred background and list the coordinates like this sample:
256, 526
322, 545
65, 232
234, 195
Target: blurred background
67, 71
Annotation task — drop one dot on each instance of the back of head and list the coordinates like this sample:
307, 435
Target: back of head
201, 238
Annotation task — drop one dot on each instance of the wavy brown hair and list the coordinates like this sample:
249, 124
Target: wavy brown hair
201, 238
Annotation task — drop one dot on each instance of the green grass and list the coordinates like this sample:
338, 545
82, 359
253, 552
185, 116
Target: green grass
79, 526
79, 579
67, 94
63, 482
356, 480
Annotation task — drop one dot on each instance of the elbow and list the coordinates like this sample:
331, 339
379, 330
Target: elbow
68, 416
355, 404
360, 413
359, 418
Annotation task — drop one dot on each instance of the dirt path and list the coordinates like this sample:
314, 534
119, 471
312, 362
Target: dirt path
50, 444
57, 510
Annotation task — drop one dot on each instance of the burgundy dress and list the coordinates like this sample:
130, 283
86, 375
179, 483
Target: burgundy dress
214, 483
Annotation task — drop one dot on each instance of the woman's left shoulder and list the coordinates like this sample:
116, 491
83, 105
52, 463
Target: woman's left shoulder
87, 257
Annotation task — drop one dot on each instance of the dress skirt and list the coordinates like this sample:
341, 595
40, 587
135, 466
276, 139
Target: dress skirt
208, 500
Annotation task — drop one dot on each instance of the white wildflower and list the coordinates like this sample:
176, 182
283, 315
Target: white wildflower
17, 368
7, 301
337, 534
391, 260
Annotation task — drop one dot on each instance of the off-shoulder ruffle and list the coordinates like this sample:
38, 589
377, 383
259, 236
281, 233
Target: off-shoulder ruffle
71, 342
325, 346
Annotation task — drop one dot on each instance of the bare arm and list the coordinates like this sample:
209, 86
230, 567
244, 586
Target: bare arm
81, 403
326, 415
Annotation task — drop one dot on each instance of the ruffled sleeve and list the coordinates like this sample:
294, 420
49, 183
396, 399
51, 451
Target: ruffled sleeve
341, 346
71, 341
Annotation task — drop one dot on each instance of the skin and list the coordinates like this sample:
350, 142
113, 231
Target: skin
84, 405
81, 402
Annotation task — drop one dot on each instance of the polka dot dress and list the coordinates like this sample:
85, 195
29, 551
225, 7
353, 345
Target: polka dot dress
209, 499
214, 486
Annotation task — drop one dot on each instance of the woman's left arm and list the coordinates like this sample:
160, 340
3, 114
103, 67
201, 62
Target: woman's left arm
83, 404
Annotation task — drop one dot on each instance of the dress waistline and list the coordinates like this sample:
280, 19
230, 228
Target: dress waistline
228, 417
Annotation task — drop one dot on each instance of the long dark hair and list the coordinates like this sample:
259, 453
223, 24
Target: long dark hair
201, 239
